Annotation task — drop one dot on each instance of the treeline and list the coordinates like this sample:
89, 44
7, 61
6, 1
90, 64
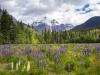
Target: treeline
12, 31
89, 36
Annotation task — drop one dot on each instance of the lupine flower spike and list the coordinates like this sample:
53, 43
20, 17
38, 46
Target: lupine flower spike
28, 66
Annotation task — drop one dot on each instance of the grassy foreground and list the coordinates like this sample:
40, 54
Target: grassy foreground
50, 59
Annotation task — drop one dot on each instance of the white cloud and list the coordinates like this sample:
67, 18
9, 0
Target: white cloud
61, 10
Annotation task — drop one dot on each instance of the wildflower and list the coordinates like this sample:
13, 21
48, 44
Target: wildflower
98, 52
41, 64
1, 55
56, 59
59, 52
28, 66
98, 49
49, 49
39, 54
19, 63
17, 66
69, 67
81, 49
12, 66
6, 46
4, 51
29, 50
23, 69
1, 46
87, 52
11, 53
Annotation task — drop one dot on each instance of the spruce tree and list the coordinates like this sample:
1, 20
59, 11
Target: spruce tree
5, 26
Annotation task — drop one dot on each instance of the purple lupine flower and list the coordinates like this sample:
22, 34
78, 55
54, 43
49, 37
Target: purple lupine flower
98, 52
87, 52
98, 49
56, 59
6, 46
29, 50
69, 67
1, 46
59, 52
4, 50
39, 54
41, 64
11, 52
81, 49
49, 49
1, 55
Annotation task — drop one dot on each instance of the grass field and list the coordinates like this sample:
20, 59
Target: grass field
50, 59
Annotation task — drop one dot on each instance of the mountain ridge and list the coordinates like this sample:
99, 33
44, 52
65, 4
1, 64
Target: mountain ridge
91, 23
51, 25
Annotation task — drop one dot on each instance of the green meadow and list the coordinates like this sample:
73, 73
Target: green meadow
50, 59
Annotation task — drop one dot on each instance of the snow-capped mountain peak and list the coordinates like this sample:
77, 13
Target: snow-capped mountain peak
51, 25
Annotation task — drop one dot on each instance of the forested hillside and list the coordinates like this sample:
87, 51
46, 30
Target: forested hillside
88, 32
89, 36
12, 31
15, 32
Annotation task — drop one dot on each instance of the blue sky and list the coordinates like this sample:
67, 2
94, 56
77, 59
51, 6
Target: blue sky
64, 11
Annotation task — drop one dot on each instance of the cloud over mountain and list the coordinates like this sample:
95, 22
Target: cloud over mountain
61, 10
